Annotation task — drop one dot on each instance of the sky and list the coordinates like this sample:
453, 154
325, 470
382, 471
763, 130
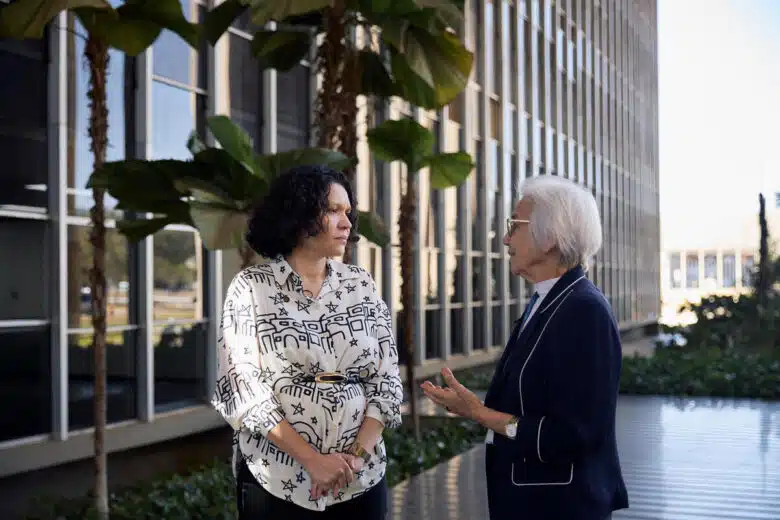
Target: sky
719, 107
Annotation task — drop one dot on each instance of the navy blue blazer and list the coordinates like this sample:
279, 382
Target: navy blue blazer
561, 376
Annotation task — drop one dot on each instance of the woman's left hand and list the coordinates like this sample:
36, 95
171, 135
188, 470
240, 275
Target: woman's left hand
456, 398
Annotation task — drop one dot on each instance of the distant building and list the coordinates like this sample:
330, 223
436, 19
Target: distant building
712, 259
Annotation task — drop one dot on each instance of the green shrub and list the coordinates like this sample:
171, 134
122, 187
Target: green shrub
713, 372
209, 493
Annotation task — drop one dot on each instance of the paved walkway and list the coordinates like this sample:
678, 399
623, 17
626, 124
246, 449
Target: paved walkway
683, 459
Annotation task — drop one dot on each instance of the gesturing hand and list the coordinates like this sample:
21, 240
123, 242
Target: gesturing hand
332, 471
455, 399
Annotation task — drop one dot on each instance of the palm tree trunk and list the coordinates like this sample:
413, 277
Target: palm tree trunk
407, 226
96, 54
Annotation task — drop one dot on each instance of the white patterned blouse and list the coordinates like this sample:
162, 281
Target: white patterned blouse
273, 340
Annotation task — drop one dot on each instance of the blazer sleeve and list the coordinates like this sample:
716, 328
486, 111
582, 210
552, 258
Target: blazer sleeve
584, 384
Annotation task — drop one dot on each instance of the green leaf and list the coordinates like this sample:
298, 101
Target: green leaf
217, 20
137, 230
374, 77
433, 69
229, 176
264, 11
403, 140
448, 169
194, 143
280, 50
219, 227
167, 14
275, 164
371, 226
234, 140
449, 11
131, 36
28, 18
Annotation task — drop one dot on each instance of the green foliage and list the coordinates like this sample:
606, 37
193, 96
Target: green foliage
214, 191
425, 63
408, 141
131, 27
209, 492
713, 372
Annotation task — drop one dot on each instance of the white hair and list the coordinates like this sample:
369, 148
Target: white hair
564, 216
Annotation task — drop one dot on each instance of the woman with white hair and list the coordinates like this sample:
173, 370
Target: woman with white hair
550, 408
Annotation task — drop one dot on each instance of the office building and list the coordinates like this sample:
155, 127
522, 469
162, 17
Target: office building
559, 88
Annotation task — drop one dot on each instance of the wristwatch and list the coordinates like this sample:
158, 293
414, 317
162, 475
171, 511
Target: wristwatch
358, 450
510, 429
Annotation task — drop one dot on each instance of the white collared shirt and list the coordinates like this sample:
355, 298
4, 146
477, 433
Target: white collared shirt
542, 289
272, 337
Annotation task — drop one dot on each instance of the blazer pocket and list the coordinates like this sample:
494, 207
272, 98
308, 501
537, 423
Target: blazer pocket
534, 473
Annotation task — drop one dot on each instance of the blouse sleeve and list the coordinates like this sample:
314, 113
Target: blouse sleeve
385, 391
242, 395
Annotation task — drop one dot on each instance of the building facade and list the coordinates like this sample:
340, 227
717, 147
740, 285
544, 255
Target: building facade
560, 88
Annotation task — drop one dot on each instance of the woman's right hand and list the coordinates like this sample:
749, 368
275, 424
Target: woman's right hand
331, 471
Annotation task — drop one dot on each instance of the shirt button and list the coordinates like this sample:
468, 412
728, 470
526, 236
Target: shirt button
286, 298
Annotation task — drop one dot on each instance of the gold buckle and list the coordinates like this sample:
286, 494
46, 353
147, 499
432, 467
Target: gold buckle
330, 377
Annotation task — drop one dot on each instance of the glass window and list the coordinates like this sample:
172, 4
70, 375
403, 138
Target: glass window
433, 333
117, 277
456, 290
25, 392
692, 271
23, 278
23, 109
711, 269
292, 112
175, 59
496, 228
748, 264
729, 270
179, 336
456, 330
178, 276
243, 81
180, 352
175, 114
478, 327
121, 378
430, 276
497, 326
478, 196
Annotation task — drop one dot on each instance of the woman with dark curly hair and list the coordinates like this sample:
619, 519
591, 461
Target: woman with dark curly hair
307, 371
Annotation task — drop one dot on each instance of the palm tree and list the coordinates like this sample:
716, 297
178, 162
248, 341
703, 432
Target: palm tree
130, 28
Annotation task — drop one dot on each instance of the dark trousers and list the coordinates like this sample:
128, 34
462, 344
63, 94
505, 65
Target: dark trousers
255, 503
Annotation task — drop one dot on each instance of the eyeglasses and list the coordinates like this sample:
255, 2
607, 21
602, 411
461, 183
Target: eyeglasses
511, 224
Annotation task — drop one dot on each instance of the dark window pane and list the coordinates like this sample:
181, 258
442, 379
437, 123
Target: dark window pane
748, 263
179, 365
495, 229
121, 378
178, 276
80, 159
497, 325
292, 111
175, 114
23, 107
477, 275
244, 76
175, 59
25, 382
477, 204
432, 333
711, 270
497, 284
456, 331
691, 271
23, 277
478, 327
117, 276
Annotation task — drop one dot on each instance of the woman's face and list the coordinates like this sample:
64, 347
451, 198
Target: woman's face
332, 241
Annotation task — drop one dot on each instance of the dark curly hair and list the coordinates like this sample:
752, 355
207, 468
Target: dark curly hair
293, 208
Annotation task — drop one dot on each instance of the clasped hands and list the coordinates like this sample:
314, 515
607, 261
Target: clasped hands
332, 472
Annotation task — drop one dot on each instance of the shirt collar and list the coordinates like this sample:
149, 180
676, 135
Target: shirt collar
544, 287
335, 274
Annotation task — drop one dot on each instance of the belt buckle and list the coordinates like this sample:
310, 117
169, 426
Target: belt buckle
330, 378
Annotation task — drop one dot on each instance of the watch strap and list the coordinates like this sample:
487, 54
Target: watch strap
358, 450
